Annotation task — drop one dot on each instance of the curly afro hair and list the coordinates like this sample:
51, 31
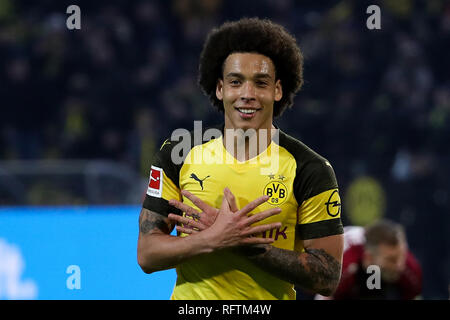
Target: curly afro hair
257, 36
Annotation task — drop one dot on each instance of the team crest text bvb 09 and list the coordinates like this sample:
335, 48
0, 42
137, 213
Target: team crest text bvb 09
276, 191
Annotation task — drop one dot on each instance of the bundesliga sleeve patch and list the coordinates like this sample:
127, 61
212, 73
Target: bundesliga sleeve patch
156, 182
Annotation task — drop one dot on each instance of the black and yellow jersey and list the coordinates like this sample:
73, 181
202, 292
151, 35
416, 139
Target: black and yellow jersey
302, 184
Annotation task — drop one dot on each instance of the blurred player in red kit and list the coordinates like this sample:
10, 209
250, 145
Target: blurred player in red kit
382, 244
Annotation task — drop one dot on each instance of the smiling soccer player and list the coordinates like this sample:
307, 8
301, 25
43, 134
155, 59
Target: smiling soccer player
243, 234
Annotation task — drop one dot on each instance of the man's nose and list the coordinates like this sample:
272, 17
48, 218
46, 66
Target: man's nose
248, 91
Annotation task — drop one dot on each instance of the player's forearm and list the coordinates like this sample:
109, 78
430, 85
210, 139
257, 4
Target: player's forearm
314, 270
161, 251
158, 250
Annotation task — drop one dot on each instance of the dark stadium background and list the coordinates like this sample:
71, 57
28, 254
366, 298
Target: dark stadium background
82, 111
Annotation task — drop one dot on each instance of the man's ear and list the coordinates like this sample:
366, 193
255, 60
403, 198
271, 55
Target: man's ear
219, 89
278, 90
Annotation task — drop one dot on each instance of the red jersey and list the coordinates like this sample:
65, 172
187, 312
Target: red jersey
353, 284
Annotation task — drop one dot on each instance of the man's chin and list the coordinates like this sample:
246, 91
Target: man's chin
246, 124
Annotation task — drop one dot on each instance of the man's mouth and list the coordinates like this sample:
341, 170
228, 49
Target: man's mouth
247, 112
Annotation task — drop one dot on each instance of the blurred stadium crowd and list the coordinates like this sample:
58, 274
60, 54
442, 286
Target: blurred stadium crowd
375, 102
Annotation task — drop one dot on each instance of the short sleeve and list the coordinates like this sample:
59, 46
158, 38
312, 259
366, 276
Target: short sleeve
319, 214
163, 182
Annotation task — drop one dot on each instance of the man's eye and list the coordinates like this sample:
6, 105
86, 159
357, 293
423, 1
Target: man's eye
261, 83
235, 82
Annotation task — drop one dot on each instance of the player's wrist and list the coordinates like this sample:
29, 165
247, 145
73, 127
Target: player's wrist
206, 241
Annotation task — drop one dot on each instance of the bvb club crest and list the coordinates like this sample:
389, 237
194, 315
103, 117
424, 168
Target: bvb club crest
276, 191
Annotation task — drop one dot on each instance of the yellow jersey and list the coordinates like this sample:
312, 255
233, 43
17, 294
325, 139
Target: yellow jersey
302, 184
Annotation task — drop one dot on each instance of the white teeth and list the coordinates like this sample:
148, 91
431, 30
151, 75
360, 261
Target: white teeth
248, 111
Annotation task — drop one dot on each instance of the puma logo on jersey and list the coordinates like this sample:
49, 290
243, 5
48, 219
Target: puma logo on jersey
200, 181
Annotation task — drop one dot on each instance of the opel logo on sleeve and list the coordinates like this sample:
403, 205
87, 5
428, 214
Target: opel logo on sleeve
334, 204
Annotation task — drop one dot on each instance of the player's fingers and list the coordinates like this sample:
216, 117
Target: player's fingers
197, 201
177, 218
203, 219
231, 199
187, 222
252, 205
262, 215
262, 228
183, 207
185, 230
225, 206
174, 217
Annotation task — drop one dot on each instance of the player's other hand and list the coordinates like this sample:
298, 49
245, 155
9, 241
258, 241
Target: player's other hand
236, 223
194, 220
231, 229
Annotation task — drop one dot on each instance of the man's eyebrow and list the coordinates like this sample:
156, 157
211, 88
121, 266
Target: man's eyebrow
234, 75
262, 75
241, 76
